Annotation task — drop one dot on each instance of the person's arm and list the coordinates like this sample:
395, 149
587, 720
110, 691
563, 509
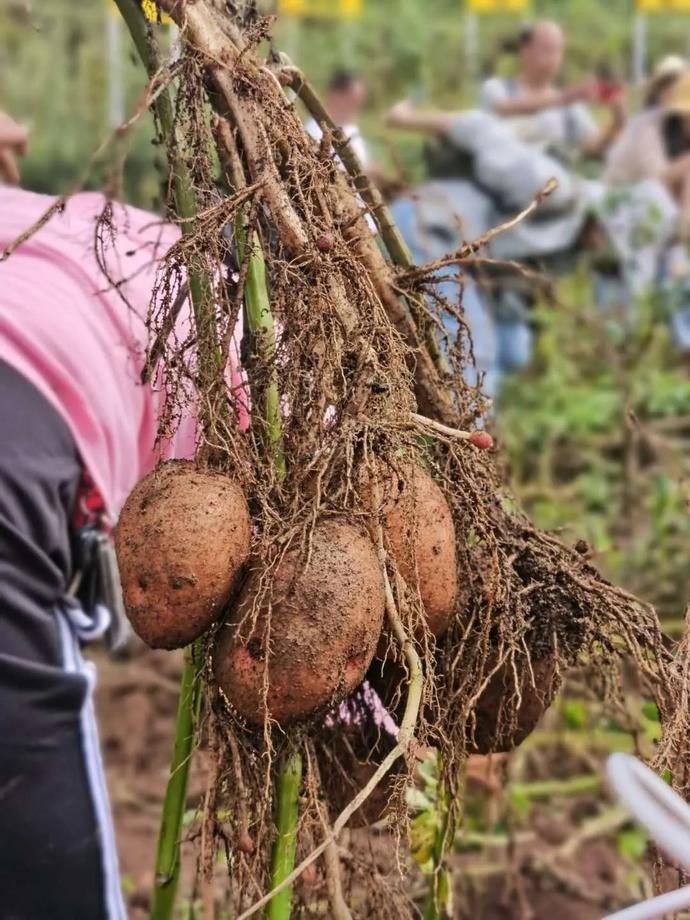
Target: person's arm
12, 134
494, 97
13, 141
530, 103
597, 142
406, 115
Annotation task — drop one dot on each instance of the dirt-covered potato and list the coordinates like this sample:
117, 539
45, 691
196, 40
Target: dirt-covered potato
181, 541
419, 531
314, 632
497, 728
495, 731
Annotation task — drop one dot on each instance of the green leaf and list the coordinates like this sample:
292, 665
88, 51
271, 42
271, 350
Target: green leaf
632, 844
574, 713
521, 803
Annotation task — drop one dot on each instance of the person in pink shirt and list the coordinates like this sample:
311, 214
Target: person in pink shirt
78, 430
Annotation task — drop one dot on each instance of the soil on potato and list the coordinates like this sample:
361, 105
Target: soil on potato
136, 701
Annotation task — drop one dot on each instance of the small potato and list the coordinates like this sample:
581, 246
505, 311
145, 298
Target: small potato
491, 735
494, 730
315, 632
183, 537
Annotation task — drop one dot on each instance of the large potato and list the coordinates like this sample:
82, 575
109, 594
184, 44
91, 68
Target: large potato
181, 541
420, 534
315, 631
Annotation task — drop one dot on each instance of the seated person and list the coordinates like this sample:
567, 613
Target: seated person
541, 114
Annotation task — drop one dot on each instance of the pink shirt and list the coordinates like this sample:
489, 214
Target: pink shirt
64, 327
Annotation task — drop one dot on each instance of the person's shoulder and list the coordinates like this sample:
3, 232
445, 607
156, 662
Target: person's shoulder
648, 117
21, 204
493, 90
496, 84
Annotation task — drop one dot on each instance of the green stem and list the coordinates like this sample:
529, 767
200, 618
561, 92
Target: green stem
548, 789
259, 324
439, 897
285, 846
184, 196
168, 855
210, 361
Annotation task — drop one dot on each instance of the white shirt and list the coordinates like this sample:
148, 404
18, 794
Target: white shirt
559, 129
351, 131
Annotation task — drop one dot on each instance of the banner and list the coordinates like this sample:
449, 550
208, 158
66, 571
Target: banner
321, 9
498, 6
153, 14
150, 11
663, 6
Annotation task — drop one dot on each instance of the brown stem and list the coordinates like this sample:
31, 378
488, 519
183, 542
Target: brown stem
391, 236
430, 393
203, 32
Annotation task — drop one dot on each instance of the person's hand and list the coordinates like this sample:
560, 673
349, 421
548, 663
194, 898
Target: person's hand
617, 104
13, 143
399, 113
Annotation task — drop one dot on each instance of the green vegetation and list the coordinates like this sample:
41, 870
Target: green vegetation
597, 431
54, 71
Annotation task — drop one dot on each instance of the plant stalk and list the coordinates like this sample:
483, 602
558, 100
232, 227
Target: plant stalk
285, 846
184, 200
391, 236
211, 371
168, 854
438, 905
259, 325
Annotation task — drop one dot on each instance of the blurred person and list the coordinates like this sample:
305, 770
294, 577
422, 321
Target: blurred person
346, 96
492, 175
544, 115
78, 430
642, 151
663, 78
655, 155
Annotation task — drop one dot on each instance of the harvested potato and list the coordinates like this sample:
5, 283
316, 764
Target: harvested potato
309, 640
420, 535
181, 541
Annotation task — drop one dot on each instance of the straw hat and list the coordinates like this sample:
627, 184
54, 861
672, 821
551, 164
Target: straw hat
670, 66
678, 99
